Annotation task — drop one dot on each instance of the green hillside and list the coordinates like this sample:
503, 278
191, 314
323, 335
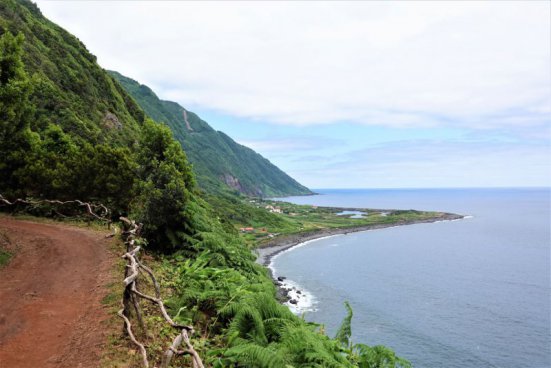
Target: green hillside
69, 131
217, 159
63, 118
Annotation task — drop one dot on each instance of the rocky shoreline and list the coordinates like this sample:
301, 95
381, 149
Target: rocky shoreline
267, 251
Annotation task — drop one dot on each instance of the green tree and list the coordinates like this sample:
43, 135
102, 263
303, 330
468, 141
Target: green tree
164, 205
15, 87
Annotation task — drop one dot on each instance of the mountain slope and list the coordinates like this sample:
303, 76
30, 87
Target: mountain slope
69, 88
68, 131
217, 159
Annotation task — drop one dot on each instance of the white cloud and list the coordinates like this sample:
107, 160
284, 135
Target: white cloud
284, 146
429, 163
396, 64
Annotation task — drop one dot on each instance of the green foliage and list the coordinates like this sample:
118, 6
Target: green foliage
217, 159
70, 89
253, 355
345, 331
4, 257
377, 357
14, 85
15, 88
365, 356
55, 139
165, 185
258, 331
68, 130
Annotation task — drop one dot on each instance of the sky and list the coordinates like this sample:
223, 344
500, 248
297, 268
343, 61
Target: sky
348, 94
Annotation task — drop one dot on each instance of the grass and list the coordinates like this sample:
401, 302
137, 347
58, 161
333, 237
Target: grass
4, 257
72, 221
120, 352
7, 249
295, 219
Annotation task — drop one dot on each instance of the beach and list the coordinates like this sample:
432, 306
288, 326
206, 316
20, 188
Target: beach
266, 251
290, 293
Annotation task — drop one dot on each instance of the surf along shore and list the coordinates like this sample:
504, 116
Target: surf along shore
265, 252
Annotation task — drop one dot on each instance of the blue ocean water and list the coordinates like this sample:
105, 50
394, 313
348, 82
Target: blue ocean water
468, 293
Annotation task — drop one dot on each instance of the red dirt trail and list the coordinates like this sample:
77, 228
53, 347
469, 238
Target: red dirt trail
51, 313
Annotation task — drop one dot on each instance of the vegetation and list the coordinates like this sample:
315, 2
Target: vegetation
259, 224
219, 163
4, 257
5, 250
68, 130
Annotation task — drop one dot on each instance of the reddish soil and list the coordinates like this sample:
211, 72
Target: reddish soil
51, 313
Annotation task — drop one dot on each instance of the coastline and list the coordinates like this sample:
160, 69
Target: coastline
266, 252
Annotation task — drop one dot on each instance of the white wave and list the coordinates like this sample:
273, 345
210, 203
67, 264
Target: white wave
453, 220
305, 301
297, 246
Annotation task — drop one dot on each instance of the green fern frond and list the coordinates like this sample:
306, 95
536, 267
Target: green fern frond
251, 355
345, 331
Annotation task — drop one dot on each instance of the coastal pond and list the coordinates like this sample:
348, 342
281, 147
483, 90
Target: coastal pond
352, 214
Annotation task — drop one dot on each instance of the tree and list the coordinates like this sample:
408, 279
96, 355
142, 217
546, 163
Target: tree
16, 139
15, 86
165, 204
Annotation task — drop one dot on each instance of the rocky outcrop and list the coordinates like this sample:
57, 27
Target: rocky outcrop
110, 121
188, 125
232, 182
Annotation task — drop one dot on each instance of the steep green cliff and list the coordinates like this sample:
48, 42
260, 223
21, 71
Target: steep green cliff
217, 159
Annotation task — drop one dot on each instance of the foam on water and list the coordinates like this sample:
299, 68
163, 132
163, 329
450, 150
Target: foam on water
306, 301
454, 294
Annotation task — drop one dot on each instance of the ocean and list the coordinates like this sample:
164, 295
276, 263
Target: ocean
468, 293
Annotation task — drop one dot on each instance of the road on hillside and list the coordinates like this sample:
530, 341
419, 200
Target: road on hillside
51, 313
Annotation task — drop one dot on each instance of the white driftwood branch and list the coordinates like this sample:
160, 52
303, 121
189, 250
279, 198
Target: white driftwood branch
173, 350
152, 277
132, 272
91, 208
133, 338
133, 268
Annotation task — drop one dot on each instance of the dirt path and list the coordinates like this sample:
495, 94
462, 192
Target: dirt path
51, 313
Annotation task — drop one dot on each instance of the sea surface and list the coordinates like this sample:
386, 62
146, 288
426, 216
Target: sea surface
468, 293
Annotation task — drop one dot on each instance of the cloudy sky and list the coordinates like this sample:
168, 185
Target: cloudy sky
348, 95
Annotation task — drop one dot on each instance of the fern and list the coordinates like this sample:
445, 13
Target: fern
345, 331
378, 357
252, 355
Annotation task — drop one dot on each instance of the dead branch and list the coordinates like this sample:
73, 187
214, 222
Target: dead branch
153, 279
113, 234
161, 305
197, 362
133, 266
131, 295
91, 208
131, 235
173, 350
133, 338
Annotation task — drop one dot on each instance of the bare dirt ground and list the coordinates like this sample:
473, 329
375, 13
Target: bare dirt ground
51, 313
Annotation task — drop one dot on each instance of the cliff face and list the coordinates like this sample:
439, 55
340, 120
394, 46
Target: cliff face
219, 162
